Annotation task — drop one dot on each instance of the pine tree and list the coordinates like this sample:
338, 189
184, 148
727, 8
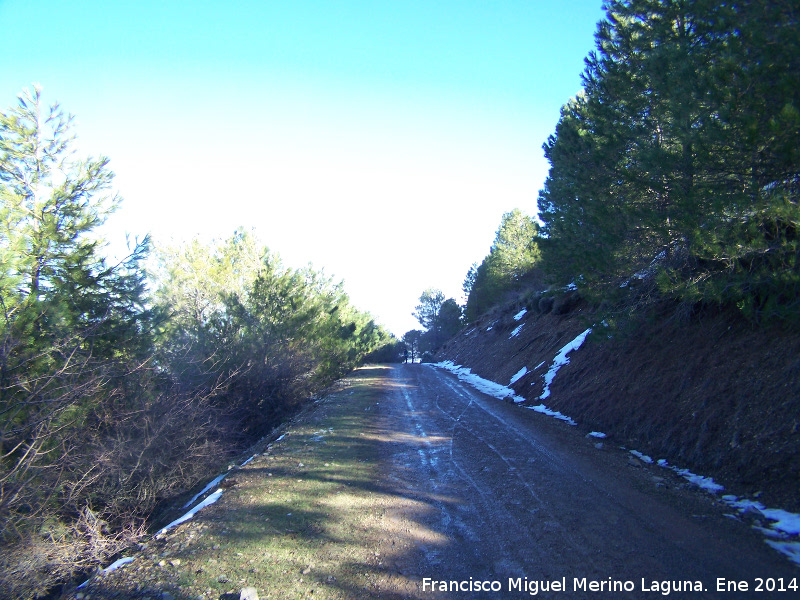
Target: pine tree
513, 254
54, 281
683, 146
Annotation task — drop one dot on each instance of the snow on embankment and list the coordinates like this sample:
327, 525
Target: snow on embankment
502, 392
208, 501
560, 360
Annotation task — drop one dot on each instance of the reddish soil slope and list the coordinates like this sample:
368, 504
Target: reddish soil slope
714, 394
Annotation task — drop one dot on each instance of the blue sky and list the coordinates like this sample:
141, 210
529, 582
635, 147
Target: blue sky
381, 141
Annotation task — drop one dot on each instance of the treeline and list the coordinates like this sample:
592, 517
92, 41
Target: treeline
675, 171
120, 387
512, 264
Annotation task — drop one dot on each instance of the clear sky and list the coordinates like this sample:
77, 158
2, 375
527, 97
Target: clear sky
379, 140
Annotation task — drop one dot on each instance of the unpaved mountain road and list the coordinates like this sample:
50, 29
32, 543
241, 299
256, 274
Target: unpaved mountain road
406, 476
514, 494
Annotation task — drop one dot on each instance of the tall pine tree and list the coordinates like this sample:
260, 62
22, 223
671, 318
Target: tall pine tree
683, 145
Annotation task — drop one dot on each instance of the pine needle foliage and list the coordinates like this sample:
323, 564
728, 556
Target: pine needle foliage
514, 253
683, 149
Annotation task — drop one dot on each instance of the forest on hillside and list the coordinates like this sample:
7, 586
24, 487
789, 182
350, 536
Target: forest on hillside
680, 159
675, 171
122, 385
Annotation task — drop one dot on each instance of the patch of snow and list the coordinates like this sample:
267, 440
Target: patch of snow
744, 505
284, 435
486, 386
784, 521
520, 374
571, 287
706, 483
520, 314
210, 485
489, 328
785, 524
539, 365
117, 564
515, 333
552, 413
769, 532
112, 567
641, 456
596, 434
560, 360
648, 271
207, 502
491, 388
245, 462
790, 549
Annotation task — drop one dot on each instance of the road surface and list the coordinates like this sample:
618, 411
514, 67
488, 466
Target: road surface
406, 483
516, 500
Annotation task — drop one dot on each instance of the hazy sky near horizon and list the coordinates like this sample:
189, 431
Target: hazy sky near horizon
381, 141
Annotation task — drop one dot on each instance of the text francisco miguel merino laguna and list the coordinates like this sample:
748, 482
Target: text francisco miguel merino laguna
582, 584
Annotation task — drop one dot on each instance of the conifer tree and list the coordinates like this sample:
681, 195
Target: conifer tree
683, 145
514, 253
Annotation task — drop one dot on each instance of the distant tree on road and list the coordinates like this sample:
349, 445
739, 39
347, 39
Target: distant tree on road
441, 319
412, 340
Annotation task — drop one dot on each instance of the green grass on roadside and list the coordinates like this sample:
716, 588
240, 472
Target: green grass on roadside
301, 520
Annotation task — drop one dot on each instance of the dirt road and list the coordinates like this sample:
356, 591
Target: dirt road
407, 477
515, 495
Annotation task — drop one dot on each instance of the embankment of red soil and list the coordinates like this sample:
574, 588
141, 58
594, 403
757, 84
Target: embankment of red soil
713, 394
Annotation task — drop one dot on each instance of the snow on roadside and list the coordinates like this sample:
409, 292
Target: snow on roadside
207, 502
112, 567
210, 485
642, 457
515, 333
706, 483
541, 408
520, 314
785, 524
784, 520
519, 375
486, 386
789, 549
560, 360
